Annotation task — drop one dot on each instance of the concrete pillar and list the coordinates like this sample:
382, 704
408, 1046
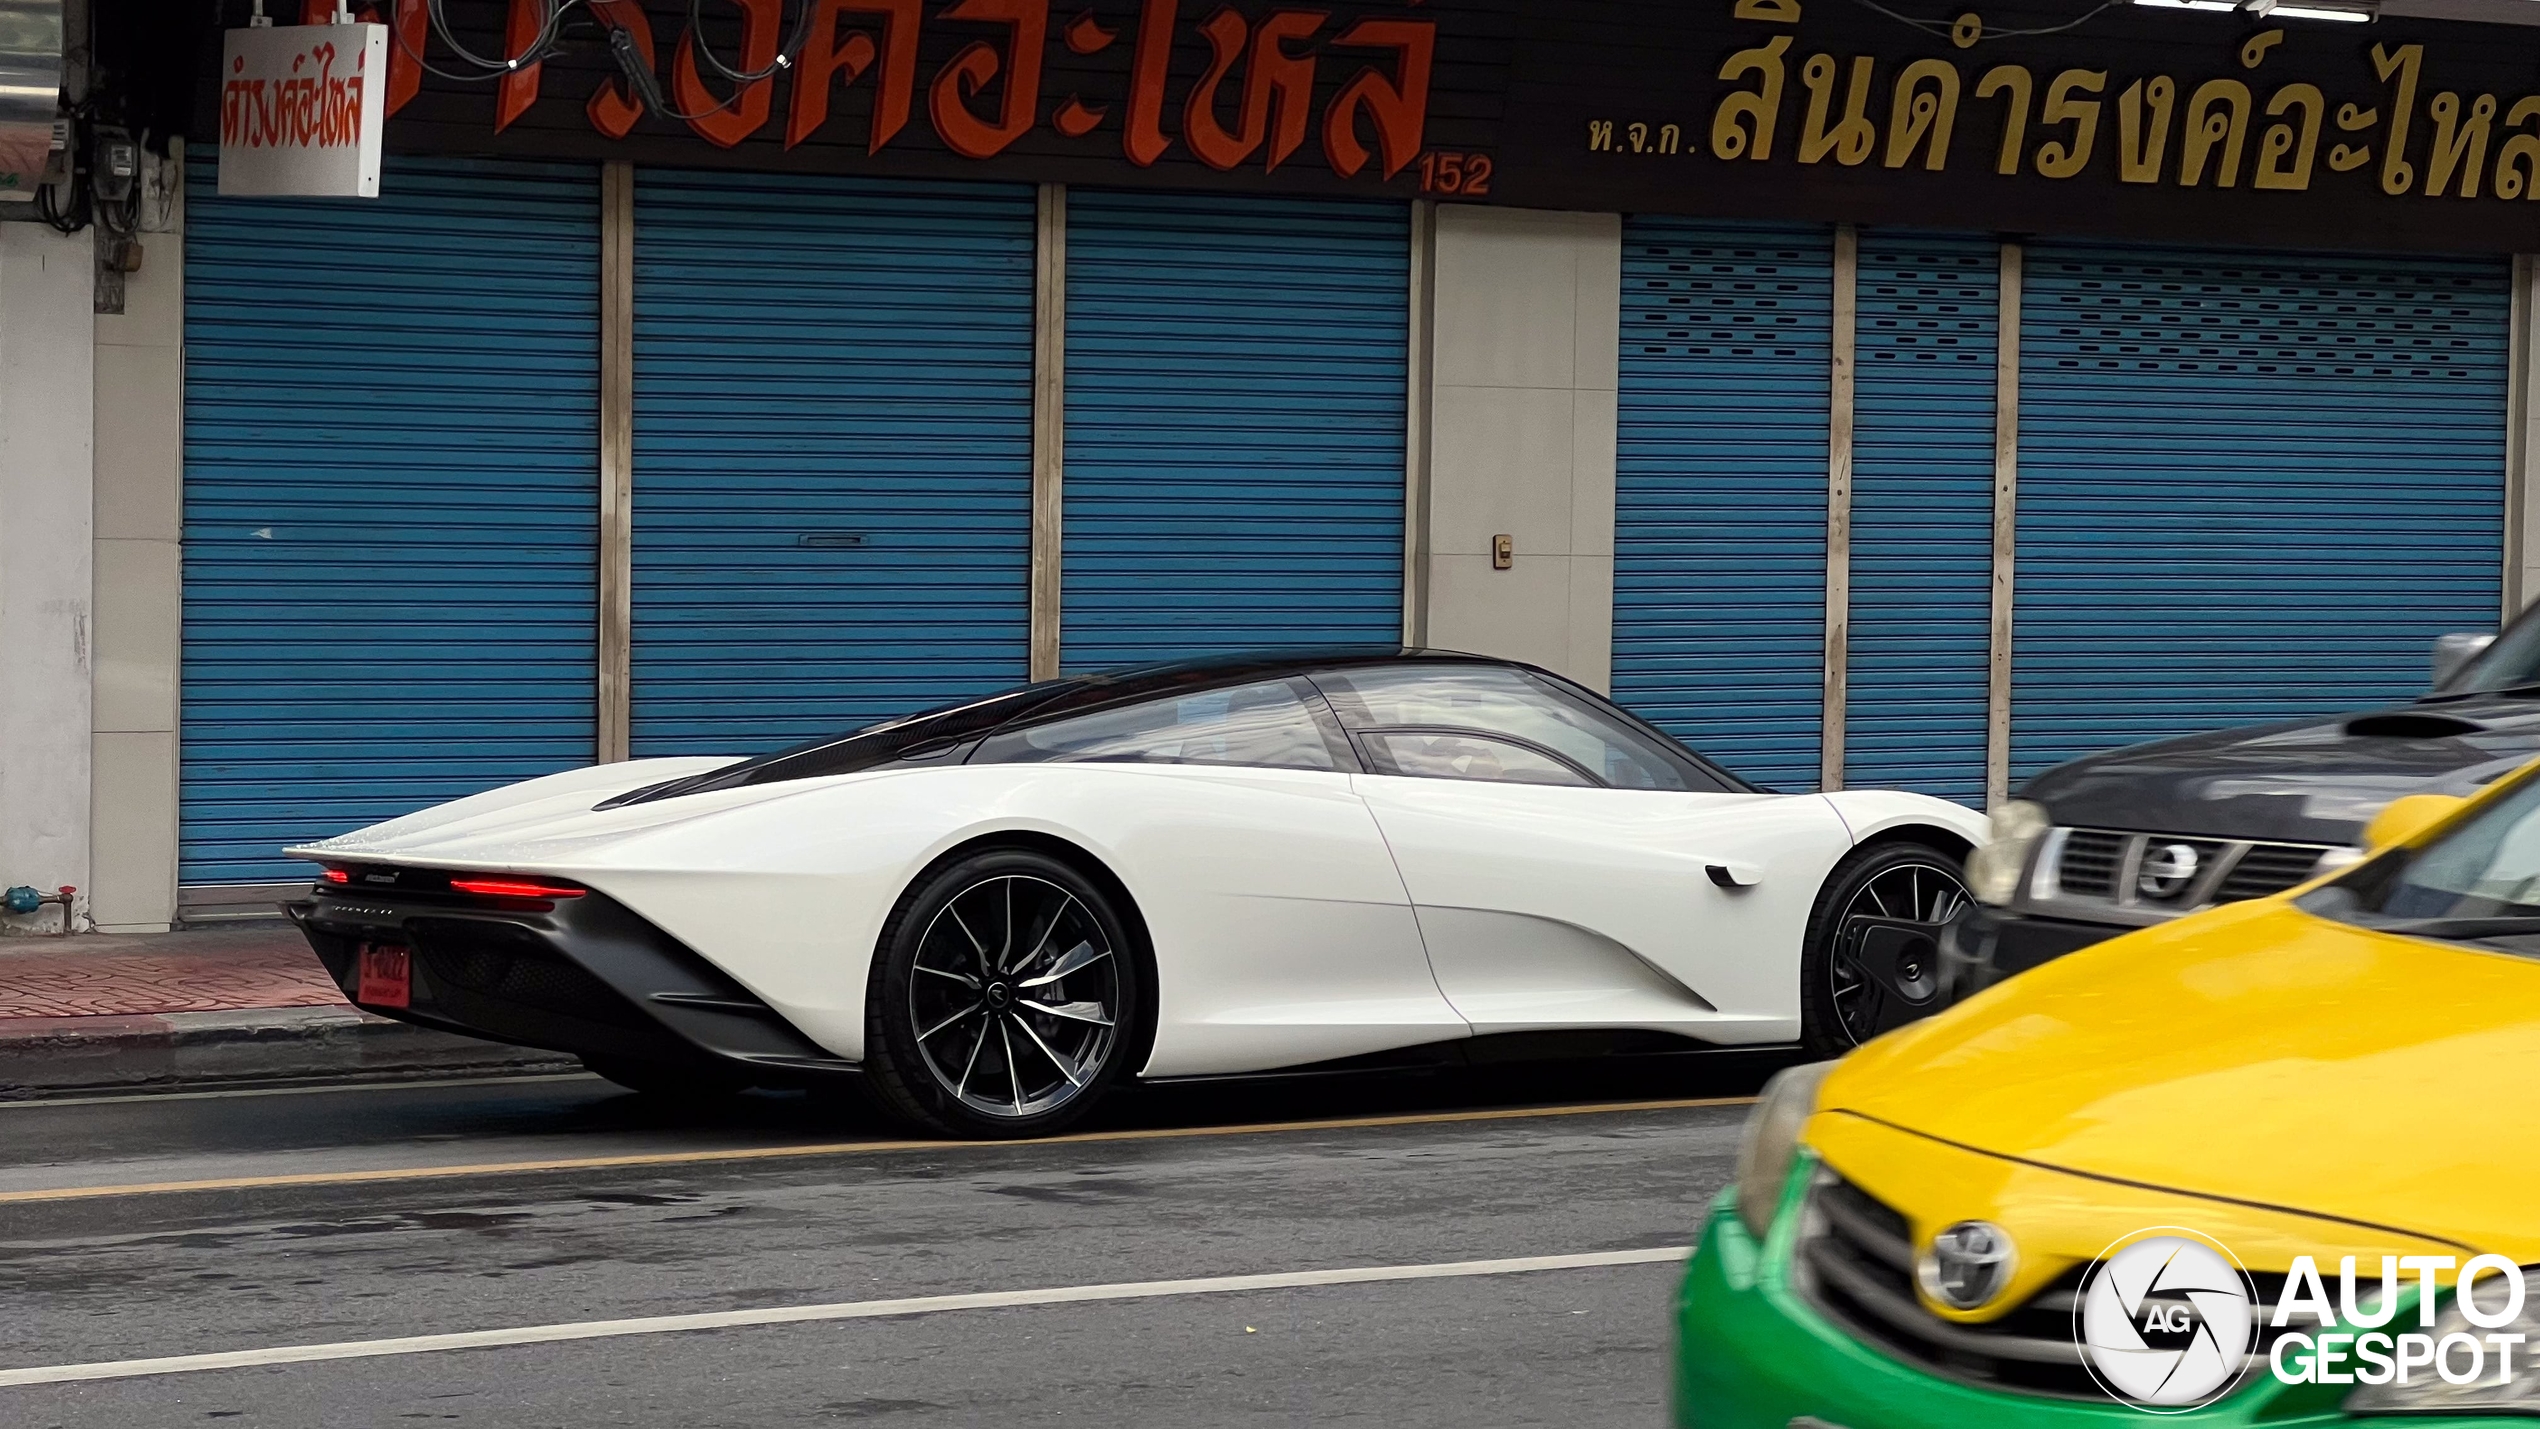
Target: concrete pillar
46, 560
140, 463
1526, 308
2522, 442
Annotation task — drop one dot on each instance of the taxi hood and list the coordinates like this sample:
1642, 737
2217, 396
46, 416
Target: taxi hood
2256, 1054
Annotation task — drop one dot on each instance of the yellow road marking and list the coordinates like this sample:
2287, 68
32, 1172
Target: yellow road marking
834, 1148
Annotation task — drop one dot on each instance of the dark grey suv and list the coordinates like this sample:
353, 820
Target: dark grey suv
2137, 836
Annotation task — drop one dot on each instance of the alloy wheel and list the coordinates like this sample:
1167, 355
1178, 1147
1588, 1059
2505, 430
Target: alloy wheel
1886, 969
1014, 997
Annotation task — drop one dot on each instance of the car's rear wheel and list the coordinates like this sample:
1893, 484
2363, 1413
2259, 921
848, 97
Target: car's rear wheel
1872, 958
1003, 998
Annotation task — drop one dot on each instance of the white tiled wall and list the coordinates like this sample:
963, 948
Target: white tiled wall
46, 617
1521, 417
140, 388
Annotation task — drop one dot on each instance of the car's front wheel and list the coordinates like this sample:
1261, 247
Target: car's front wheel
1871, 961
1003, 997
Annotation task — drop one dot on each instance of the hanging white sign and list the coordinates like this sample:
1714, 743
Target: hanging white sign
302, 110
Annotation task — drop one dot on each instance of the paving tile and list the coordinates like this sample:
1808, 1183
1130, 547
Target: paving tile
178, 972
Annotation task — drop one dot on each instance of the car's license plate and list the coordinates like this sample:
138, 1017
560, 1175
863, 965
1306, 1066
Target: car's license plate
387, 976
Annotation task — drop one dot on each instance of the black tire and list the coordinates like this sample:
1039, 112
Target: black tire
1007, 996
670, 1081
1871, 961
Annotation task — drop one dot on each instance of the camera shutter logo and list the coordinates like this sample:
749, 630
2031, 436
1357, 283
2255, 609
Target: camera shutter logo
2164, 1322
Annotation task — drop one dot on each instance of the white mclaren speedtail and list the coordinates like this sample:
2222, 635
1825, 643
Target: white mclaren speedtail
987, 915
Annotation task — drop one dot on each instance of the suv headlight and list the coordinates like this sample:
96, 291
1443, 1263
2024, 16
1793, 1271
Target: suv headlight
1771, 1142
1993, 871
2428, 1392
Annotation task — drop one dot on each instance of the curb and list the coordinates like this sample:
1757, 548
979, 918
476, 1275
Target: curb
61, 1056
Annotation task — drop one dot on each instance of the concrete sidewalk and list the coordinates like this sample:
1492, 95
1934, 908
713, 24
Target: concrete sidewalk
242, 1005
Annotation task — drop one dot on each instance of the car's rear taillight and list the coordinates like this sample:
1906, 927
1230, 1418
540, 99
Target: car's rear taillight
334, 875
516, 888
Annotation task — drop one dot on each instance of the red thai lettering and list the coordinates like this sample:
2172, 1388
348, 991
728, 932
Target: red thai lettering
725, 123
1399, 106
405, 43
308, 110
1076, 118
612, 108
970, 72
405, 51
1143, 138
1225, 32
519, 89
1086, 36
827, 57
1273, 77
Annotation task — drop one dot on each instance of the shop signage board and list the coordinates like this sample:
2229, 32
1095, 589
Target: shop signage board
2120, 119
301, 111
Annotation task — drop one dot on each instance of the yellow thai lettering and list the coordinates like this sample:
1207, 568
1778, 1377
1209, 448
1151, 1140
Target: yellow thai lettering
2518, 163
1849, 140
1925, 112
2284, 141
2140, 148
2217, 114
2012, 81
1743, 124
2063, 158
2397, 174
2460, 145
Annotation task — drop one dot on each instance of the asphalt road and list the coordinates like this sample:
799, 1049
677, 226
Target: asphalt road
198, 1226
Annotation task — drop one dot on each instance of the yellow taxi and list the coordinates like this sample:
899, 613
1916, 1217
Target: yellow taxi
2231, 1170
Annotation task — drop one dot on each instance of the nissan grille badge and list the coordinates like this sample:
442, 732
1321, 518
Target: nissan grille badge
2167, 870
1967, 1265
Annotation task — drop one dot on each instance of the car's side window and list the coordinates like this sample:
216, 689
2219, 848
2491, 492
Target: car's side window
1265, 725
1487, 700
1457, 754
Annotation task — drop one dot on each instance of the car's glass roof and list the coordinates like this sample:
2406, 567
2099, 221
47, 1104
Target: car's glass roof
911, 736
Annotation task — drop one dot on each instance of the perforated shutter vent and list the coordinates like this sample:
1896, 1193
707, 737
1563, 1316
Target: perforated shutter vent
833, 453
2251, 487
1921, 626
1720, 489
1236, 402
391, 456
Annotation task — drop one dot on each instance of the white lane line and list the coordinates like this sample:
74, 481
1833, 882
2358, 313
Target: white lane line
844, 1310
330, 1089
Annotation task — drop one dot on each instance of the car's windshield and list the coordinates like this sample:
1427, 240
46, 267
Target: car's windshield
2511, 663
2480, 882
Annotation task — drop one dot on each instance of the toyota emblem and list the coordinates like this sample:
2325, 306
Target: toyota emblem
1967, 1265
2167, 870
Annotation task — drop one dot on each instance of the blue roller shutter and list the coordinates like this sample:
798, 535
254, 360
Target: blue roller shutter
391, 447
833, 453
1922, 513
1720, 489
1236, 377
2252, 486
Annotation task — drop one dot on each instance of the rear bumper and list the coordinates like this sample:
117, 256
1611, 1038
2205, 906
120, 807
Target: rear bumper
581, 975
